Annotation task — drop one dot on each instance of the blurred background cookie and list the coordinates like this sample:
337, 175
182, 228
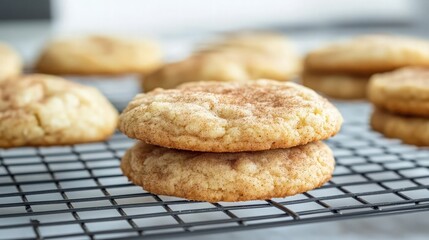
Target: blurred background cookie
44, 110
401, 99
233, 58
369, 54
214, 177
230, 117
404, 91
362, 56
265, 43
410, 129
336, 85
10, 63
99, 55
111, 64
79, 192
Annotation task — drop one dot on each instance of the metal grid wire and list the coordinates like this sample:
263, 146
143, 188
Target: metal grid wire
78, 192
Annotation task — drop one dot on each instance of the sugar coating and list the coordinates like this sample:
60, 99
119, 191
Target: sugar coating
341, 86
230, 117
39, 110
404, 91
411, 130
217, 177
99, 55
10, 63
369, 54
235, 58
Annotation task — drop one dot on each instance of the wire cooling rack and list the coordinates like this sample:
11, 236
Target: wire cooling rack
78, 192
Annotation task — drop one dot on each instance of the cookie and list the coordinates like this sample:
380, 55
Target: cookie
341, 86
99, 55
265, 43
10, 63
404, 91
411, 130
43, 110
234, 59
230, 117
229, 177
369, 54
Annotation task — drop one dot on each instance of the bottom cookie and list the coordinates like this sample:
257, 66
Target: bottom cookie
229, 177
337, 86
411, 130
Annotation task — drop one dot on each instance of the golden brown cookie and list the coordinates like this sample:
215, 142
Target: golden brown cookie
43, 110
230, 117
369, 54
404, 91
229, 177
10, 63
234, 59
99, 55
411, 130
341, 86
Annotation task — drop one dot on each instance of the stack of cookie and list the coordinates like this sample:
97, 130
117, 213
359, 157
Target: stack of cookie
401, 99
342, 70
213, 141
234, 58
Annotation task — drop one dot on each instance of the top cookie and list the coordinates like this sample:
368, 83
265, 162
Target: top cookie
99, 55
234, 59
10, 63
230, 117
43, 110
404, 91
341, 86
369, 54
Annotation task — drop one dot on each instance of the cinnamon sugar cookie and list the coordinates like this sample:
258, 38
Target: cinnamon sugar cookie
340, 86
230, 117
229, 177
242, 57
43, 110
99, 55
369, 54
10, 63
404, 91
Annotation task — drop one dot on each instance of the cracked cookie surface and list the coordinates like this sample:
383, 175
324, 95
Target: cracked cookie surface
230, 117
217, 177
43, 110
241, 57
